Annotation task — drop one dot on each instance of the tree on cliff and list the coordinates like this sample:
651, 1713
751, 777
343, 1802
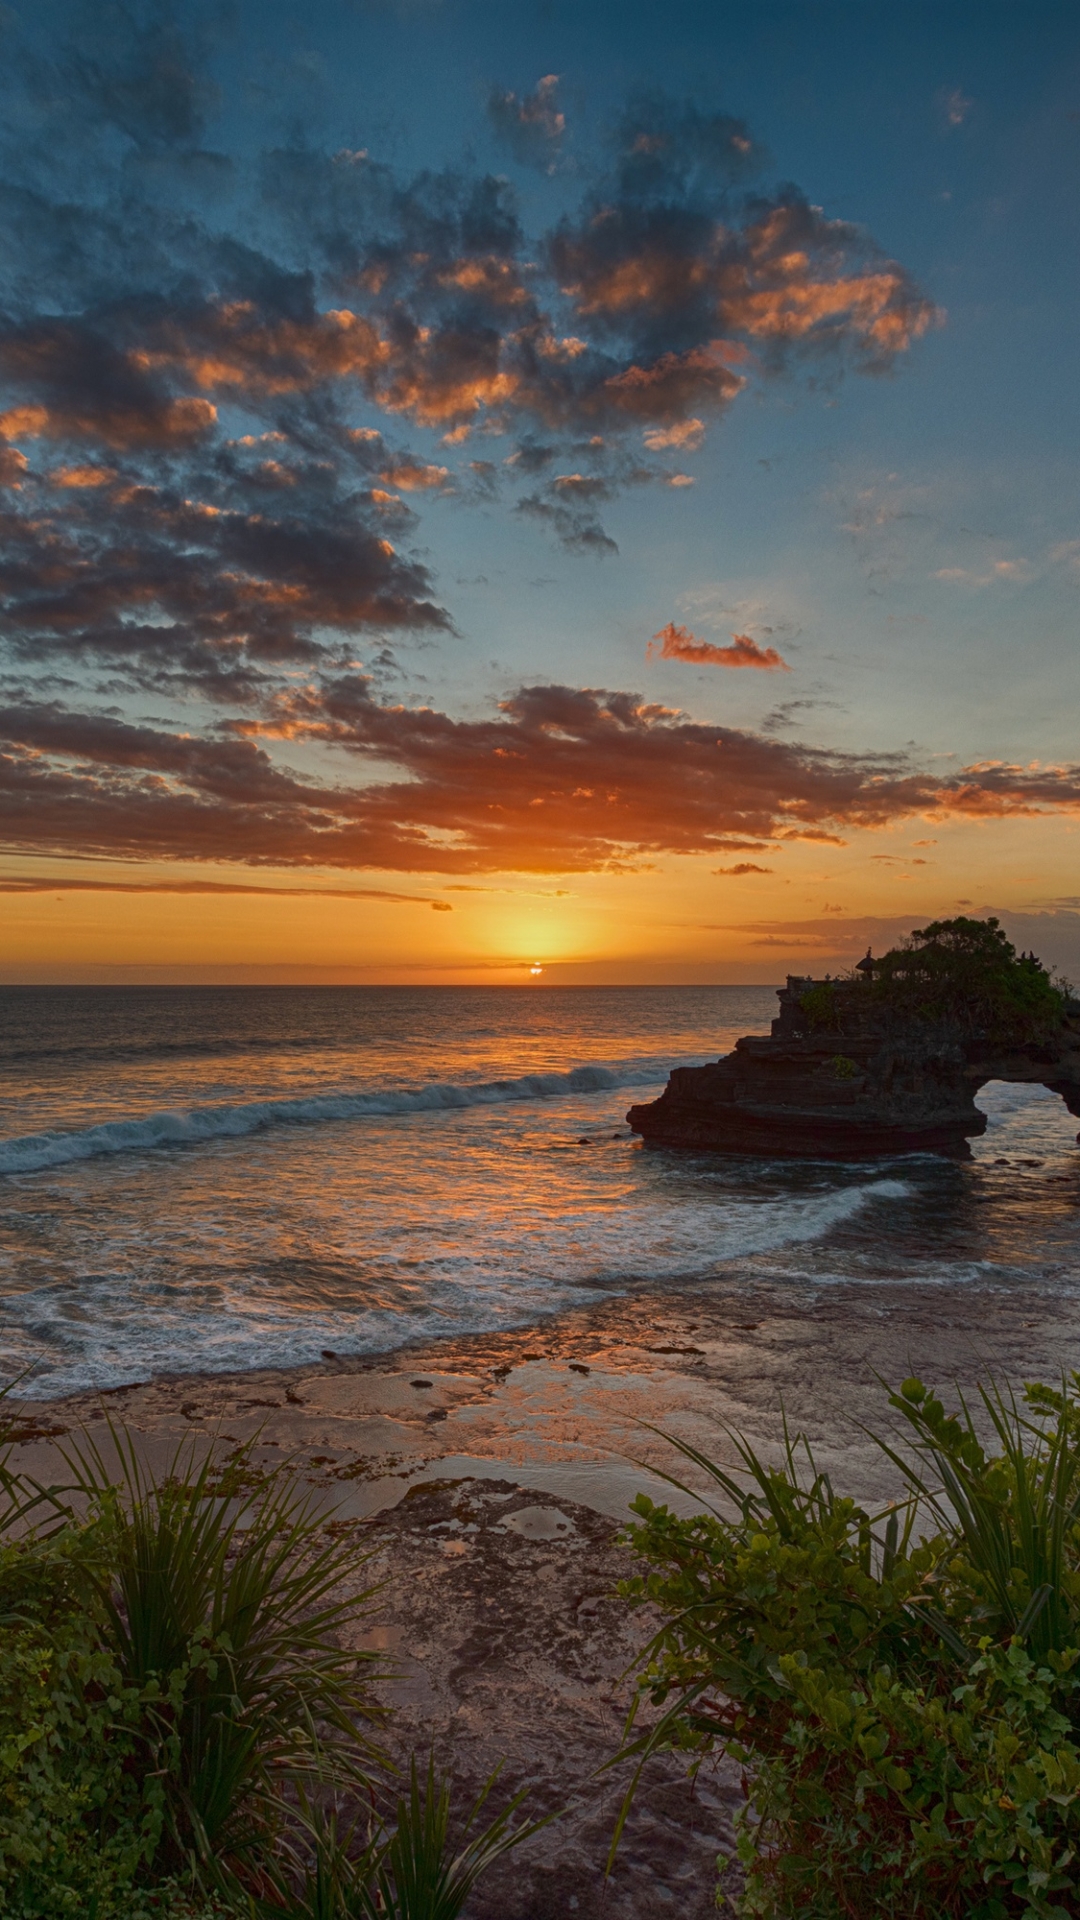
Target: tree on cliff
967, 973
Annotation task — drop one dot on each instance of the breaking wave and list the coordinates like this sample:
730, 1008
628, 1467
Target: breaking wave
188, 1126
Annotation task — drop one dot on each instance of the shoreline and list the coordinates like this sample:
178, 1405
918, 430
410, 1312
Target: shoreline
563, 1399
488, 1476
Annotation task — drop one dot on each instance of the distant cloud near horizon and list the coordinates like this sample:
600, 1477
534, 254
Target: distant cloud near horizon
678, 643
562, 779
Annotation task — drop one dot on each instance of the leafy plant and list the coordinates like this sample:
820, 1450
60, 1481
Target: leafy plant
420, 1876
175, 1707
76, 1820
1013, 1518
906, 1705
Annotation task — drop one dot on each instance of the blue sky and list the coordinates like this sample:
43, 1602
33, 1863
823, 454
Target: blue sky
898, 522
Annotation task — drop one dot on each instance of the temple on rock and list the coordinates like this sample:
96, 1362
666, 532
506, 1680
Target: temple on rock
886, 1060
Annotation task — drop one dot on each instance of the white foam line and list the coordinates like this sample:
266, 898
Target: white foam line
181, 1127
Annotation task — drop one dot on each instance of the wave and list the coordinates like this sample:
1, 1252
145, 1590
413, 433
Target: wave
509, 1270
188, 1126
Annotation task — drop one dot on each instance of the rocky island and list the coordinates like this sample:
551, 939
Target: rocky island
887, 1059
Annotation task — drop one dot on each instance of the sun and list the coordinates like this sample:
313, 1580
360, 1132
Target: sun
536, 969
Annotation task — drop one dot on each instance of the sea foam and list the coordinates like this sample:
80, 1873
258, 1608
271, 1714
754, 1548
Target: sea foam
188, 1126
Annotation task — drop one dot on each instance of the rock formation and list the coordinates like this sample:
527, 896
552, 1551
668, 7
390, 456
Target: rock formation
844, 1077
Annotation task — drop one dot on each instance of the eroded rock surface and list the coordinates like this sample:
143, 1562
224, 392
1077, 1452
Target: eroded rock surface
864, 1087
510, 1644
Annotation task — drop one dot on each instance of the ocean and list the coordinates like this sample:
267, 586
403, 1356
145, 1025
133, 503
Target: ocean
210, 1179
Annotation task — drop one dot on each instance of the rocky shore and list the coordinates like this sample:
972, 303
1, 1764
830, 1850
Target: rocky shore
852, 1083
489, 1477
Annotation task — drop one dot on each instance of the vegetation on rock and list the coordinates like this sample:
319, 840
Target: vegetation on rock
964, 974
968, 974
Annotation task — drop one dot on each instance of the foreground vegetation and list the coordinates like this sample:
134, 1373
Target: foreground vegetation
902, 1689
184, 1732
180, 1723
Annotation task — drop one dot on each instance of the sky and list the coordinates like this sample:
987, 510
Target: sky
552, 494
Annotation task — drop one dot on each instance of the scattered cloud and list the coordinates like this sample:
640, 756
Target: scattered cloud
530, 126
954, 106
678, 643
222, 381
788, 713
687, 435
45, 883
996, 572
743, 867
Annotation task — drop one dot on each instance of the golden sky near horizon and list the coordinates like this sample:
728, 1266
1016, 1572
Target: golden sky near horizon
530, 532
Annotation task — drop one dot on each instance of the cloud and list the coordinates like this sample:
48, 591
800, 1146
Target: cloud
788, 713
415, 475
954, 106
567, 505
1015, 572
687, 435
1053, 934
332, 288
661, 257
561, 779
678, 643
219, 382
143, 76
248, 566
45, 883
85, 389
530, 127
743, 867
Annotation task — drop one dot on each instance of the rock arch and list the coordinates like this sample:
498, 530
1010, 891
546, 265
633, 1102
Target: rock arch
870, 1087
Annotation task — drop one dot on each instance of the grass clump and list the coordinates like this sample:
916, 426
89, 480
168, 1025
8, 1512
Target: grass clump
179, 1707
903, 1689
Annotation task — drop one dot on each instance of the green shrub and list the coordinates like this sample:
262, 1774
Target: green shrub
907, 1708
78, 1818
171, 1673
968, 974
423, 1866
821, 1007
176, 1709
221, 1604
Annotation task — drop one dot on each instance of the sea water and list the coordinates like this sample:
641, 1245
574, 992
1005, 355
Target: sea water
198, 1179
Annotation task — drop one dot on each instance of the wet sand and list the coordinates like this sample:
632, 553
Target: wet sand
489, 1476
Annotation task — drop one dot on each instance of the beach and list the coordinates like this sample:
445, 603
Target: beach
402, 1245
490, 1476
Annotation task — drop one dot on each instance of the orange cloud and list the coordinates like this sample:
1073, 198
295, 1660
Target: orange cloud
564, 779
13, 466
678, 643
82, 476
414, 476
45, 883
685, 434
